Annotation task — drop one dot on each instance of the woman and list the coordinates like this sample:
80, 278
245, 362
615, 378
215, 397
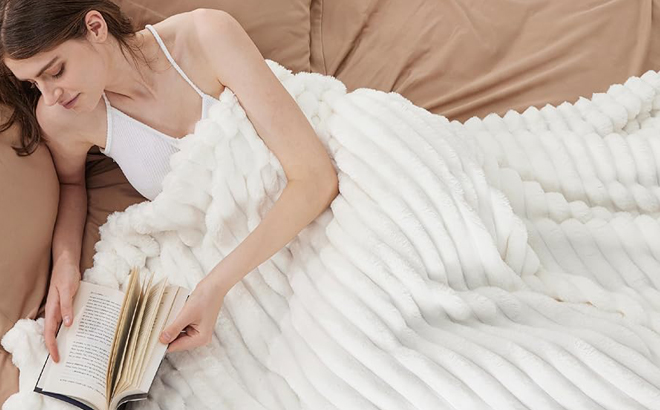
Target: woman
77, 75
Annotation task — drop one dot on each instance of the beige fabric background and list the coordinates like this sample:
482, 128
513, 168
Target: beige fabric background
279, 28
461, 58
457, 58
28, 202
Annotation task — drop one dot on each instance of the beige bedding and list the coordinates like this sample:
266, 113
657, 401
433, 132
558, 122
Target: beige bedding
462, 58
29, 193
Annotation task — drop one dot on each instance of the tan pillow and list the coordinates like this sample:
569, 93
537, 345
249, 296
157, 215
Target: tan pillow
279, 28
471, 57
28, 206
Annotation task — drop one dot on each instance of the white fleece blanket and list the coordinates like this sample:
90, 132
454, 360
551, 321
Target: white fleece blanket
504, 263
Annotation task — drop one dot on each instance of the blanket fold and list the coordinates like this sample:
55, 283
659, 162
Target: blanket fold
502, 263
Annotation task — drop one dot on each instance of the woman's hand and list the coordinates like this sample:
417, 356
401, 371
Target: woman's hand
194, 325
64, 283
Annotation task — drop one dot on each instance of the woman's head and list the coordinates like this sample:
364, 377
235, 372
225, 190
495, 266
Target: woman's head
70, 39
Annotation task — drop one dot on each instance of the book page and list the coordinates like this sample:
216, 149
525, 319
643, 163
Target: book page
162, 312
128, 310
168, 311
172, 302
85, 346
123, 378
154, 301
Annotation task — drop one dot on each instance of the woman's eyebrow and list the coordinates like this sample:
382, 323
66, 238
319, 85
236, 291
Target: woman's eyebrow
46, 67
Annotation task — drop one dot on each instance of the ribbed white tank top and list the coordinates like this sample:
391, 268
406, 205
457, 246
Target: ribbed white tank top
142, 152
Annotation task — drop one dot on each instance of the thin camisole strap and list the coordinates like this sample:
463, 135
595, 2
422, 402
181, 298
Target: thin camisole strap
108, 136
169, 57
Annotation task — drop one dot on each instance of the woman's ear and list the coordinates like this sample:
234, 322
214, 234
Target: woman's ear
97, 29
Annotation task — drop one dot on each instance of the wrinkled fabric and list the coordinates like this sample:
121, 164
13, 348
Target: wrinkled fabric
464, 58
29, 196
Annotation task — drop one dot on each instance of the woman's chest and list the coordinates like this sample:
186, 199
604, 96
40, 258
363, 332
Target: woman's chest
174, 116
178, 103
174, 113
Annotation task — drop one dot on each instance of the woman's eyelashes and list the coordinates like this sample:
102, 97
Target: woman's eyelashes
59, 73
33, 84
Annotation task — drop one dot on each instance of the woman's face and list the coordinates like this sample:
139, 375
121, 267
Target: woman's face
72, 74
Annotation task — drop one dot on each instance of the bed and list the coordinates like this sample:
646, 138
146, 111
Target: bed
459, 59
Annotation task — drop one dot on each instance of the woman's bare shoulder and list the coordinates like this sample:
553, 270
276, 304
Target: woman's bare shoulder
68, 127
181, 36
180, 32
187, 22
69, 136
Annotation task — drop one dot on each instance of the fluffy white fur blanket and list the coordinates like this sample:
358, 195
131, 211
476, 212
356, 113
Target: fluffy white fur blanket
505, 263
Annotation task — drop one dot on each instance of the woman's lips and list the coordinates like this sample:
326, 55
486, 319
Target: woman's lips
72, 102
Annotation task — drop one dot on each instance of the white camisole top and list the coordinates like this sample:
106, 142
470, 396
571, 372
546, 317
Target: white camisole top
142, 152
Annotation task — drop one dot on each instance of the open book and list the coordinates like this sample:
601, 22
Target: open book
111, 352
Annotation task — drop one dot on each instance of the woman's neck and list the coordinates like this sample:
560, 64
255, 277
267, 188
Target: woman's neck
133, 78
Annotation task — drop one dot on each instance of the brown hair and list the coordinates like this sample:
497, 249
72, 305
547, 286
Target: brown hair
28, 27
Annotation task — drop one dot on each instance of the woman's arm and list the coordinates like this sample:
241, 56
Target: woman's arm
298, 205
311, 179
68, 233
65, 276
69, 155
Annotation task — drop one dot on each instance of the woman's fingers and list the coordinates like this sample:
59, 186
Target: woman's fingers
185, 332
180, 344
52, 321
172, 331
59, 305
66, 304
188, 340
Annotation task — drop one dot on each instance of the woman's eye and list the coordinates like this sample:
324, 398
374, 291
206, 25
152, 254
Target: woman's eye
59, 74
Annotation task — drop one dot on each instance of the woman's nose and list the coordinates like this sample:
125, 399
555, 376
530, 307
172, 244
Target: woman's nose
51, 95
